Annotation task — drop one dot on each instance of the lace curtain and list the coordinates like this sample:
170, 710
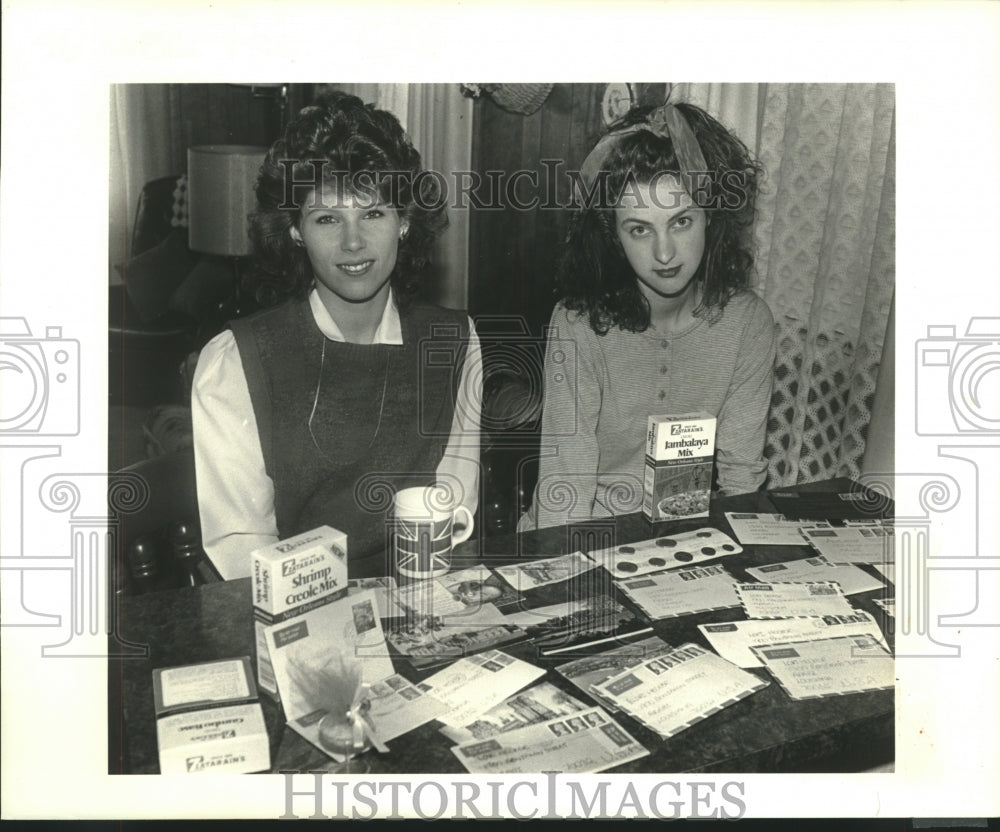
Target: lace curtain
825, 258
824, 242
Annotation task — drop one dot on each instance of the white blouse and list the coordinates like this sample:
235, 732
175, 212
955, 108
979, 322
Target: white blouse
235, 494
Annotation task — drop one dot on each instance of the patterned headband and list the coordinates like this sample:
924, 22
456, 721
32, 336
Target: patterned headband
665, 121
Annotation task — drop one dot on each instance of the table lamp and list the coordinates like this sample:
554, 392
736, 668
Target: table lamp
221, 180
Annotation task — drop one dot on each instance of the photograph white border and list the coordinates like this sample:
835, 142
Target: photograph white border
59, 60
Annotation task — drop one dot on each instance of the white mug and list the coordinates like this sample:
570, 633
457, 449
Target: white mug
425, 527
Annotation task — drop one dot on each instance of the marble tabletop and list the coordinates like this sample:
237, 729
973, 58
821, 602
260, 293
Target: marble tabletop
766, 732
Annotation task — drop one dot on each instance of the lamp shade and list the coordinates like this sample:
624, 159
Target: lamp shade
221, 181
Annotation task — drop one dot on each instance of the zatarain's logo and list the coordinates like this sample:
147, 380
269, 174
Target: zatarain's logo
293, 565
677, 429
200, 763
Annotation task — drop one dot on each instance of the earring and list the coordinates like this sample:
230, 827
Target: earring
403, 232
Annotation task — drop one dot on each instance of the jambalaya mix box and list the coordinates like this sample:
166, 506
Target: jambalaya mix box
680, 452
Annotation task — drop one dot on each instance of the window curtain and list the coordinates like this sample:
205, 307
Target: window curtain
146, 143
438, 120
825, 238
824, 241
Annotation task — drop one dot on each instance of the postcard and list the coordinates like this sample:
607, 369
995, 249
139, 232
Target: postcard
829, 667
477, 585
578, 622
887, 569
473, 685
589, 671
428, 598
851, 579
753, 529
669, 551
733, 640
587, 742
396, 706
386, 594
204, 683
348, 628
539, 573
671, 594
792, 600
852, 544
428, 640
673, 691
536, 704
849, 505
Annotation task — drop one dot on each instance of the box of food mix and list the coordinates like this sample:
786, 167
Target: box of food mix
680, 452
290, 578
208, 719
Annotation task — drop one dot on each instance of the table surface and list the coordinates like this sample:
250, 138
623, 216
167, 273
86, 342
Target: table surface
766, 732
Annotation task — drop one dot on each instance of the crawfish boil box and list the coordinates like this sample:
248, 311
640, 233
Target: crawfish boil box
680, 451
290, 578
208, 719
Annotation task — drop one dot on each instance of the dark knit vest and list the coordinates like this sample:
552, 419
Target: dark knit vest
380, 422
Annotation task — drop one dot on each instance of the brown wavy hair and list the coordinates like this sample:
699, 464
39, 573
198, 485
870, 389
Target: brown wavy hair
594, 276
339, 138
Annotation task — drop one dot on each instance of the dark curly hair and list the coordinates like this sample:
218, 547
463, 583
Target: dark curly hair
594, 276
343, 140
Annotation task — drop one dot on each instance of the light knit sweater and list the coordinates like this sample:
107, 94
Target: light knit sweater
600, 391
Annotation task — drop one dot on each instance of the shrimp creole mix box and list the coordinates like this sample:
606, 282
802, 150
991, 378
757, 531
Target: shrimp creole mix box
680, 450
290, 578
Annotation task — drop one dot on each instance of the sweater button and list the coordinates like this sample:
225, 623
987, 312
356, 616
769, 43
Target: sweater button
664, 343
663, 394
663, 369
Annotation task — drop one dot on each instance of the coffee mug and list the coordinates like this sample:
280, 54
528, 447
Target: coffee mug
425, 529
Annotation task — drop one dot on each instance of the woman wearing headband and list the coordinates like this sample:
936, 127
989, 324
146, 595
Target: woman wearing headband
657, 316
314, 412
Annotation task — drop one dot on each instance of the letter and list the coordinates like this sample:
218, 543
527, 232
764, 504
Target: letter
368, 801
677, 805
599, 185
510, 799
734, 192
510, 191
461, 800
707, 799
674, 202
393, 786
601, 794
631, 799
365, 189
550, 777
288, 190
630, 187
317, 795
495, 805
430, 201
551, 181
701, 190
442, 807
392, 195
741, 806
466, 183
